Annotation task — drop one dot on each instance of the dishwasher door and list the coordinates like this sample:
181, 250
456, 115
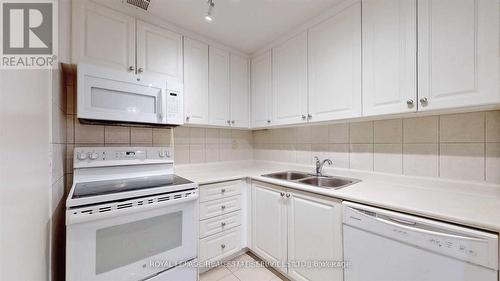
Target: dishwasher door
381, 245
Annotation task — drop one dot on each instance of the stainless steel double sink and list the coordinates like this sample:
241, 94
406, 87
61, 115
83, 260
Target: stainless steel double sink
329, 182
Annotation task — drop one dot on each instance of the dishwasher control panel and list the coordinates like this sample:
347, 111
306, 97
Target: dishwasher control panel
463, 243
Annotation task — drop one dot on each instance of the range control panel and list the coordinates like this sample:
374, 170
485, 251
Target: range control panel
95, 155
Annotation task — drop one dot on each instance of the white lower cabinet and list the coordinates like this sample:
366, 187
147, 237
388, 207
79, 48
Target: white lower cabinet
220, 230
269, 235
297, 228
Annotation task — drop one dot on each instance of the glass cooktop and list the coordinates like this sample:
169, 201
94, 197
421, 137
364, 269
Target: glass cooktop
95, 188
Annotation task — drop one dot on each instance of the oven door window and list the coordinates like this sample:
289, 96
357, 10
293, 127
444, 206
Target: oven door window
120, 245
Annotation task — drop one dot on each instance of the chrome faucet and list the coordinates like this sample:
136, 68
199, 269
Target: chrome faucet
319, 165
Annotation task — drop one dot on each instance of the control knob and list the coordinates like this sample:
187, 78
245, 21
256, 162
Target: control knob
163, 154
81, 156
93, 156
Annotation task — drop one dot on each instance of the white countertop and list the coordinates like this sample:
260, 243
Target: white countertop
468, 203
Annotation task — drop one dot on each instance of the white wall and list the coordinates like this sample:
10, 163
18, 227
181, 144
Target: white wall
24, 173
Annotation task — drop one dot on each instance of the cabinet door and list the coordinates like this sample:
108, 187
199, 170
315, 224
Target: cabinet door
261, 90
314, 234
335, 66
195, 82
239, 92
290, 81
218, 87
269, 237
159, 51
103, 36
389, 56
458, 44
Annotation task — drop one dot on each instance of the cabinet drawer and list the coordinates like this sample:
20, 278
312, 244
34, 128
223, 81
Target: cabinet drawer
219, 207
219, 190
220, 245
220, 223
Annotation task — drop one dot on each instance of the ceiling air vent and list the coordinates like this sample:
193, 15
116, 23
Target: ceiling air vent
141, 4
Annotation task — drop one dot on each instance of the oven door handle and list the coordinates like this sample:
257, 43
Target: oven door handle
79, 215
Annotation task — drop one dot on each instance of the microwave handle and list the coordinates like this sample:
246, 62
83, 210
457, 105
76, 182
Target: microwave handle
160, 106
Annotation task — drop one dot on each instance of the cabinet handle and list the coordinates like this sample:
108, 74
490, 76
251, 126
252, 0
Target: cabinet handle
232, 122
282, 194
140, 70
187, 118
228, 121
309, 116
223, 207
423, 100
223, 246
131, 68
223, 224
410, 102
304, 117
288, 195
223, 190
268, 121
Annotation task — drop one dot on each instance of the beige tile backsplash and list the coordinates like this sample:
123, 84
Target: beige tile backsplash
457, 146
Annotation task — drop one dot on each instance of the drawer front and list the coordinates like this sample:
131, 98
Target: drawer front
219, 207
220, 245
220, 223
219, 190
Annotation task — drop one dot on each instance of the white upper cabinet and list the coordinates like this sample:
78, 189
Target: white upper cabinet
334, 54
218, 87
195, 82
389, 56
103, 36
290, 81
239, 92
458, 44
261, 78
159, 51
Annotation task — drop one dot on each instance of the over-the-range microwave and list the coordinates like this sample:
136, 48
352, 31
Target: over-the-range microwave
109, 95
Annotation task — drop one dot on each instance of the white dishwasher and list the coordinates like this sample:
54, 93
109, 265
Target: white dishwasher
381, 245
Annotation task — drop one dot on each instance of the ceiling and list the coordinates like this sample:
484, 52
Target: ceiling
246, 25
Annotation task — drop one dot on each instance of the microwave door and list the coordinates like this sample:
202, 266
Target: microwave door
113, 100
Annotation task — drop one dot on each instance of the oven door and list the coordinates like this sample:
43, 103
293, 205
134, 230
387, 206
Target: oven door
131, 240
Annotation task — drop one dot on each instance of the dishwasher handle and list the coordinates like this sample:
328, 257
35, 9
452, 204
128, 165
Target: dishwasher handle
412, 225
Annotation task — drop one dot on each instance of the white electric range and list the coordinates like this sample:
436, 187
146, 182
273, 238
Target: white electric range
129, 217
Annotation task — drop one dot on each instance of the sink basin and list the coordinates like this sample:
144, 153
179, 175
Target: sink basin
328, 182
312, 180
288, 175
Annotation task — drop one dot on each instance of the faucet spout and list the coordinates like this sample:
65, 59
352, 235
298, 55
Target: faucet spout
319, 165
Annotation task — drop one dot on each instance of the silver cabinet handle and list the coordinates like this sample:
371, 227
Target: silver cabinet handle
282, 194
304, 117
223, 246
131, 68
309, 116
223, 224
228, 121
232, 122
223, 207
268, 121
424, 100
410, 102
187, 118
223, 190
288, 195
140, 70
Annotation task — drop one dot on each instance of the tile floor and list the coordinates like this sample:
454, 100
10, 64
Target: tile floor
243, 272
